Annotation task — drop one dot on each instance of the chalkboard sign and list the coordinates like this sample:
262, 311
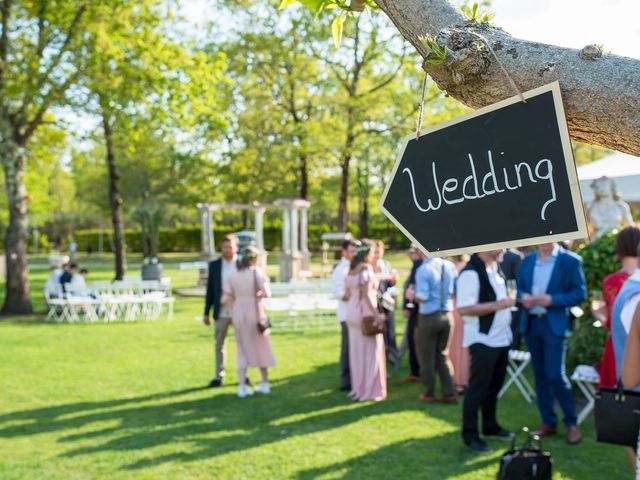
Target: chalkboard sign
501, 176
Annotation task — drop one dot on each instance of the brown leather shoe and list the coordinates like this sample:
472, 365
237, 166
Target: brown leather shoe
448, 399
427, 398
545, 430
573, 435
412, 378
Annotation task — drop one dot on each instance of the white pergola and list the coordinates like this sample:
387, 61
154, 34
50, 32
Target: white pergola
294, 255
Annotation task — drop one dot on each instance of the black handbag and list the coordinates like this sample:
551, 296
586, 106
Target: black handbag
528, 462
617, 415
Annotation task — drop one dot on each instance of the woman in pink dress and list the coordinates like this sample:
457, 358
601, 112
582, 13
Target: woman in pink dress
367, 360
457, 353
245, 288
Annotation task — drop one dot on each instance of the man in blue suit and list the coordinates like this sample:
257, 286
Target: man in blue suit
550, 282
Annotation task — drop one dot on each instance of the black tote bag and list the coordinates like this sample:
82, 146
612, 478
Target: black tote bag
529, 462
617, 414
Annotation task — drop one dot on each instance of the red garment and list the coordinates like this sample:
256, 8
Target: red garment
611, 285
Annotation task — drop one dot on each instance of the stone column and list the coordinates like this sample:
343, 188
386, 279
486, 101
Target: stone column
259, 227
295, 246
304, 238
286, 231
203, 233
211, 246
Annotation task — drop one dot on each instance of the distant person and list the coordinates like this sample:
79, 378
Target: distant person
458, 353
625, 309
78, 284
486, 309
89, 249
434, 292
551, 281
338, 277
410, 312
73, 250
243, 291
52, 287
367, 362
68, 273
510, 267
387, 278
219, 269
627, 243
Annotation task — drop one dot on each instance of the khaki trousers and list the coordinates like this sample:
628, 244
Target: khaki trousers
221, 329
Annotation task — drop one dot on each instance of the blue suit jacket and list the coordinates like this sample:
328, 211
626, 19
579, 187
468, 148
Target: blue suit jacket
214, 288
566, 287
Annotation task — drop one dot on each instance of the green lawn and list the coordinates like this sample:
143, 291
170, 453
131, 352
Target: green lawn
125, 401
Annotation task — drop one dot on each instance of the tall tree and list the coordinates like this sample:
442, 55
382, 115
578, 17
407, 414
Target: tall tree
40, 60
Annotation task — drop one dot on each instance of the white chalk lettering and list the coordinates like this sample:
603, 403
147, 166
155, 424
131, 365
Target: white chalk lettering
450, 193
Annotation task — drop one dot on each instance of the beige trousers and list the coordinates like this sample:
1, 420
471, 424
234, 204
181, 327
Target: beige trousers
221, 329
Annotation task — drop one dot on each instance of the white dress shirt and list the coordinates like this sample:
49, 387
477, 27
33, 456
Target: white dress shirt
228, 267
78, 286
467, 294
338, 276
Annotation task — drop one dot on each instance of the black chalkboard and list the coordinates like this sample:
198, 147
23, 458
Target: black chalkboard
497, 177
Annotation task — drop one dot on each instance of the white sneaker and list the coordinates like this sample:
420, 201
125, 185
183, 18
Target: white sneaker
244, 391
263, 388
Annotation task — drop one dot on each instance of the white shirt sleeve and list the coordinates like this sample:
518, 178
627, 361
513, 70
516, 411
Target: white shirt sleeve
338, 277
468, 289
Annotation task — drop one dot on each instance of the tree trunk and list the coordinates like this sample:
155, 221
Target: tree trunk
115, 200
17, 300
363, 187
600, 91
304, 177
347, 153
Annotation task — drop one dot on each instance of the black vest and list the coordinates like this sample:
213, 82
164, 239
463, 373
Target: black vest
487, 294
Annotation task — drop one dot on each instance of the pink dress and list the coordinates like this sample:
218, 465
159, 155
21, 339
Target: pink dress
254, 348
367, 361
459, 355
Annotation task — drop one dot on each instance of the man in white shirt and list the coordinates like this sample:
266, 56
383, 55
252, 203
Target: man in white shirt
219, 269
486, 310
338, 277
78, 284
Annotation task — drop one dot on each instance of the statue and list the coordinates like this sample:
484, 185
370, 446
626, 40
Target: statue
607, 211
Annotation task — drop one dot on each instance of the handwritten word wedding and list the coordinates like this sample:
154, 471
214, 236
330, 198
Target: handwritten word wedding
453, 190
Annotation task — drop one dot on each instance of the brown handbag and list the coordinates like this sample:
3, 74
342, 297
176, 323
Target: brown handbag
370, 325
264, 322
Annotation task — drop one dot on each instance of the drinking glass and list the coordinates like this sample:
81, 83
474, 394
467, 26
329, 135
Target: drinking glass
410, 294
597, 301
512, 292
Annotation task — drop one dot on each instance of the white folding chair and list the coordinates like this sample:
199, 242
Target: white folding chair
518, 361
587, 378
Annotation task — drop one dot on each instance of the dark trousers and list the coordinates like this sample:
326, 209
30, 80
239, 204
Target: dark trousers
390, 345
548, 361
434, 331
345, 375
515, 330
412, 324
488, 368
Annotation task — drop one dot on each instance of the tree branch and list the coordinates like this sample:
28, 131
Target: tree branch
600, 92
51, 97
388, 80
55, 62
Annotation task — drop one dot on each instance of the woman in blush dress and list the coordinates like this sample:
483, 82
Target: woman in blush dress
459, 355
245, 288
626, 248
367, 360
